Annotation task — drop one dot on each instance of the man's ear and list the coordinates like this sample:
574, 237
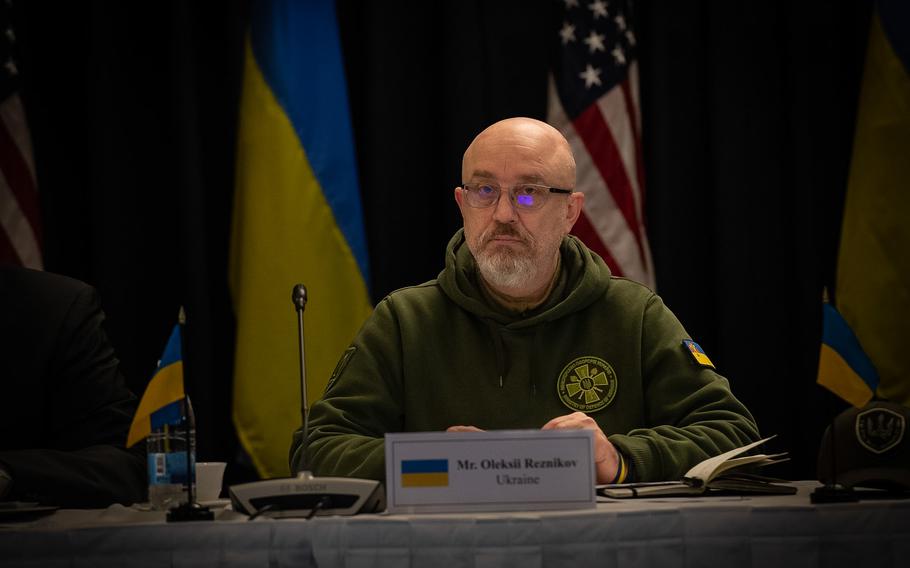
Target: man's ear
459, 199
573, 209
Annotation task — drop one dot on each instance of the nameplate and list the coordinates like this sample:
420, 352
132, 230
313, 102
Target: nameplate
504, 470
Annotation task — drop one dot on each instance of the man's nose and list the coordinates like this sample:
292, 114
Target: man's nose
503, 211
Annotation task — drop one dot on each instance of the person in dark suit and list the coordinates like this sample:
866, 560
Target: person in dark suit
64, 407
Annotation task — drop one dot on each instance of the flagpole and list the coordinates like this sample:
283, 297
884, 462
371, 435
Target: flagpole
188, 440
189, 511
831, 492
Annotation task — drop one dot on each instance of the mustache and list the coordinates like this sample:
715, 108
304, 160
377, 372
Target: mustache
505, 230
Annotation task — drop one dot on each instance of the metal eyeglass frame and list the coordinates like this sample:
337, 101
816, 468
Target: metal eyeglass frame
513, 199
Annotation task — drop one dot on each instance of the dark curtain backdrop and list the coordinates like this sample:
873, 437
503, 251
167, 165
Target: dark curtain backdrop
748, 116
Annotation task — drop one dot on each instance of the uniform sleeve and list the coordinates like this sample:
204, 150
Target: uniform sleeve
82, 461
690, 409
361, 403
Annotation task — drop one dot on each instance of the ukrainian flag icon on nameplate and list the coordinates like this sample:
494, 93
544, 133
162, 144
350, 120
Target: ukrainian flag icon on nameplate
424, 473
698, 353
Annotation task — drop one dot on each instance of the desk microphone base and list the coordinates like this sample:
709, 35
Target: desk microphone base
292, 497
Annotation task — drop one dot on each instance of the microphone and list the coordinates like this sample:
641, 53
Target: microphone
306, 495
298, 296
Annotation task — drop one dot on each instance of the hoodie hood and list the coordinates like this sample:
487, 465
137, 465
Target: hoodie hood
583, 278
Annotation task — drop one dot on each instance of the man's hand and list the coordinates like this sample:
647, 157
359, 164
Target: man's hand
463, 429
606, 458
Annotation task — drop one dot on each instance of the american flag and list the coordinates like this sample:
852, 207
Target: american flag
593, 101
20, 227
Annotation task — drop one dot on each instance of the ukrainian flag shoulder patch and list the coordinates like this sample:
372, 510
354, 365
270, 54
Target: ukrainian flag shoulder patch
698, 354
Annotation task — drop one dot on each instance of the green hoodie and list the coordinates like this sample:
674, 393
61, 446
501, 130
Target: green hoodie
441, 354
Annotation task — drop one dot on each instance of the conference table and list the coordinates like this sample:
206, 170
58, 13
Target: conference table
740, 531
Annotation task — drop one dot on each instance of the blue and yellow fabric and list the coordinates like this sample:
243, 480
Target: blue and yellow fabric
844, 368
297, 218
873, 267
162, 402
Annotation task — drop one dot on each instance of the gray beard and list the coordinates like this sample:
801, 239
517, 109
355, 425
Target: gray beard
505, 270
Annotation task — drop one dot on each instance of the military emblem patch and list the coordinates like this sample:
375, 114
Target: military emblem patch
342, 363
587, 384
879, 429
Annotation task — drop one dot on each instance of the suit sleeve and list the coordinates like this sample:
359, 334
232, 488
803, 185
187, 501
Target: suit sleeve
691, 407
82, 461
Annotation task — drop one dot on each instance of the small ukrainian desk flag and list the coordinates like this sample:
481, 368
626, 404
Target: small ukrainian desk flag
162, 402
843, 367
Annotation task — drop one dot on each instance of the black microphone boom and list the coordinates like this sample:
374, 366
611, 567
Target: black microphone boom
307, 495
299, 297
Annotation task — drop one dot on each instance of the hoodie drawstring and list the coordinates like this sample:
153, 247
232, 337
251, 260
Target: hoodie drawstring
499, 349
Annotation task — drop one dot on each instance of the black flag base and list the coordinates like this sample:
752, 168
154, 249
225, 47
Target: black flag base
189, 512
833, 493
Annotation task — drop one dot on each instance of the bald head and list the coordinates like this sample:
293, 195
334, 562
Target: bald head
541, 146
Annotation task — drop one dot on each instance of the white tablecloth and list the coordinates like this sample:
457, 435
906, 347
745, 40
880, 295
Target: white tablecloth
777, 531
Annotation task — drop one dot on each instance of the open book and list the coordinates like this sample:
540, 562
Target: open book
720, 473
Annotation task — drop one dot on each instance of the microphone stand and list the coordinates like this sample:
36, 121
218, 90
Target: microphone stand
306, 495
299, 297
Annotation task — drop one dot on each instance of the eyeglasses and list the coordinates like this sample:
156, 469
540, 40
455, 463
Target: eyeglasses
524, 196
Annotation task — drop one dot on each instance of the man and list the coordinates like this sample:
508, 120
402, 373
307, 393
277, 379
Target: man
65, 408
526, 328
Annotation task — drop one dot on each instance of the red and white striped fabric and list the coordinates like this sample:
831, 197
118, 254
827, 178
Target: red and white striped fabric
20, 224
594, 102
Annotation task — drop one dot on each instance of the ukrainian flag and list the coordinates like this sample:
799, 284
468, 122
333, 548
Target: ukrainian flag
844, 368
873, 267
162, 402
424, 473
297, 218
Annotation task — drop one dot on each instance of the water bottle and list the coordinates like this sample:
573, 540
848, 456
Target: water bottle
167, 469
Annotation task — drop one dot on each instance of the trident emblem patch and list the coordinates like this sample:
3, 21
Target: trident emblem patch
587, 384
